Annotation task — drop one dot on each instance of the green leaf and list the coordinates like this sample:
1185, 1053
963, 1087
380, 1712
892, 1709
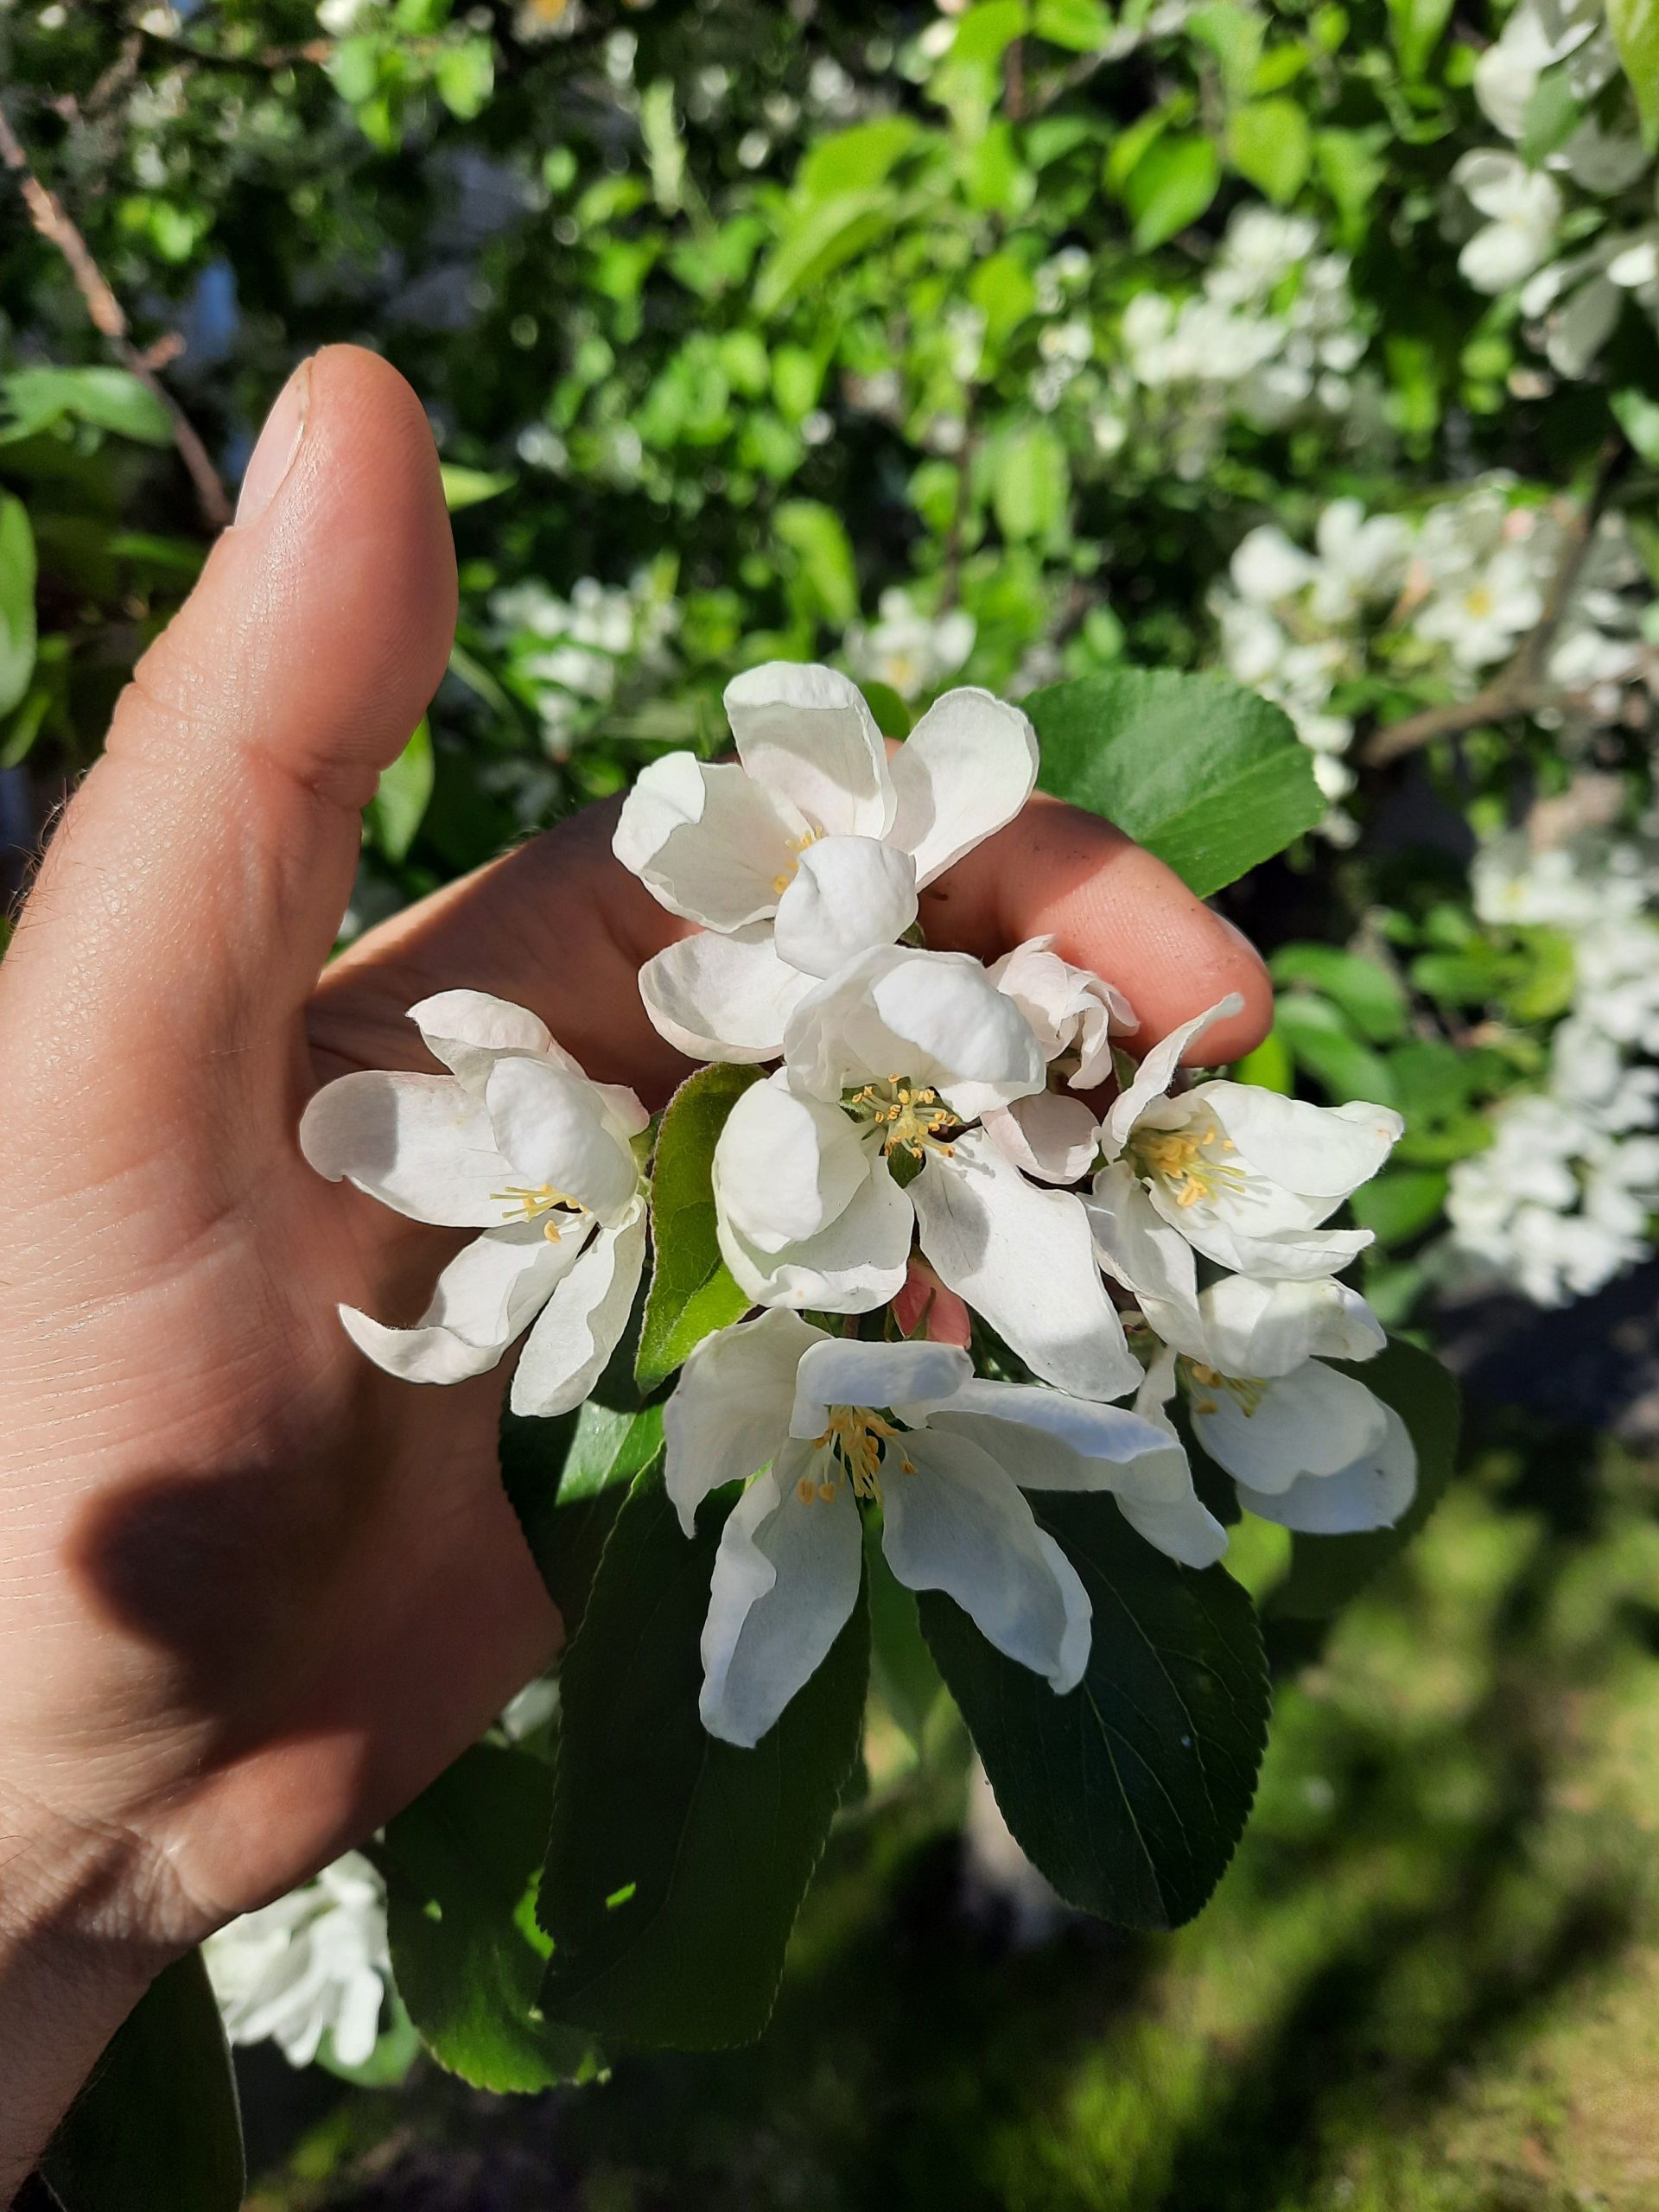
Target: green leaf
464, 76
17, 568
104, 399
1417, 26
1553, 114
1031, 485
1322, 1042
1372, 998
157, 2127
1269, 143
856, 160
1080, 26
401, 797
1635, 33
821, 237
901, 1666
692, 1293
611, 1446
1233, 34
1269, 1067
461, 1864
1171, 186
1401, 1203
1325, 1572
817, 535
677, 1863
1131, 1792
469, 487
1206, 775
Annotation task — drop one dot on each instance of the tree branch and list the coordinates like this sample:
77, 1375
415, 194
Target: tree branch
52, 220
1521, 687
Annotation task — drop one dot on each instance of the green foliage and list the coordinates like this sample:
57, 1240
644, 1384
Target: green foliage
156, 2128
677, 1863
1635, 28
461, 1866
1129, 1793
692, 1293
17, 568
1205, 775
395, 813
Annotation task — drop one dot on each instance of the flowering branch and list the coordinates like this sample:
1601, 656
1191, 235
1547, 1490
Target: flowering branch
52, 220
1521, 687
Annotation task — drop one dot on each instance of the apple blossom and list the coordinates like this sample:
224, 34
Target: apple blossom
516, 1141
1072, 1014
889, 1067
812, 1424
811, 849
311, 1964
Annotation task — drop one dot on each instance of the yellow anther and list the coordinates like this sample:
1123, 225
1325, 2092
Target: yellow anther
826, 1492
786, 875
528, 1201
806, 1490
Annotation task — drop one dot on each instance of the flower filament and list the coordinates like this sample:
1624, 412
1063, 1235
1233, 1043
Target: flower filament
1186, 1161
907, 1118
529, 1201
1202, 1383
786, 875
856, 1438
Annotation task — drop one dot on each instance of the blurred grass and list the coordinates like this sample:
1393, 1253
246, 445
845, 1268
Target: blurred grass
1430, 1982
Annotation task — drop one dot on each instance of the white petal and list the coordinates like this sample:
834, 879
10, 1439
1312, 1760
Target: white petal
1182, 1528
786, 1165
489, 1292
357, 2023
787, 1577
1323, 1152
840, 1372
729, 1411
966, 767
1138, 1248
805, 732
566, 1351
1312, 1421
418, 1143
1050, 1135
709, 842
1269, 1328
1373, 1493
934, 1018
1153, 1076
854, 1265
1024, 1259
849, 894
959, 1524
1070, 1009
1046, 1439
558, 1132
722, 998
468, 1031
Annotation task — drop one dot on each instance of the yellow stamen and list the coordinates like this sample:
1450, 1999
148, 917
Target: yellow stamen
786, 875
909, 1115
1184, 1158
528, 1201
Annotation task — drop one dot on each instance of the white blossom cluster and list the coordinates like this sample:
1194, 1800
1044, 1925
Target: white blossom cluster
1446, 596
1272, 333
928, 1141
574, 654
1563, 1200
312, 1965
1591, 194
906, 648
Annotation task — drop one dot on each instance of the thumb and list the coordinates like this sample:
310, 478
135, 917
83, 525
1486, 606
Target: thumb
197, 880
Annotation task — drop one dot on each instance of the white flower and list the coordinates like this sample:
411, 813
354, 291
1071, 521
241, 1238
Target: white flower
516, 1141
1362, 558
889, 1064
812, 851
1072, 1014
313, 1964
910, 651
1481, 612
1308, 1446
818, 1422
1523, 209
1236, 1173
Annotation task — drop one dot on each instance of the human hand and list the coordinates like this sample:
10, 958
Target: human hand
256, 1593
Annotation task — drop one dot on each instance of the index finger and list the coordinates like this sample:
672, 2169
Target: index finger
562, 927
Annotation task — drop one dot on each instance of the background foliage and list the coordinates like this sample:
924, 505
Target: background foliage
1038, 340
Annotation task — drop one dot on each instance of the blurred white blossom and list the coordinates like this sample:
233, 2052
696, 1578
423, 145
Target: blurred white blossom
313, 1964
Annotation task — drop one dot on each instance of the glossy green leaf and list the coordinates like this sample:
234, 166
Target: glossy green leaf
1635, 33
1325, 1572
1271, 145
1206, 774
102, 398
470, 487
1171, 186
1082, 26
818, 240
17, 571
394, 814
692, 1293
1322, 1043
901, 1666
677, 1863
1131, 1792
1371, 994
157, 2127
611, 1446
461, 1864
818, 538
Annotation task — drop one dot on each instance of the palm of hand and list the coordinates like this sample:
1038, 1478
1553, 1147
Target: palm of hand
260, 1592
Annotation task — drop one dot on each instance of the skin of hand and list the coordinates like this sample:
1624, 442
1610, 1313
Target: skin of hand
254, 1595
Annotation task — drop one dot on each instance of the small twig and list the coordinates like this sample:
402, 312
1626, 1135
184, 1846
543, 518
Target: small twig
52, 220
1014, 80
1521, 687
